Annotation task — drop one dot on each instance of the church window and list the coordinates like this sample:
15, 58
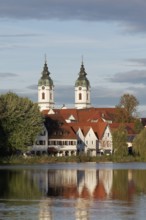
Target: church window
87, 96
50, 96
80, 96
43, 95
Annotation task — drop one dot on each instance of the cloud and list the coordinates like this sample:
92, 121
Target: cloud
128, 12
18, 35
64, 95
137, 62
110, 97
33, 87
132, 77
101, 96
6, 75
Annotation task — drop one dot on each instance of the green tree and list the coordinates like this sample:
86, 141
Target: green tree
119, 136
139, 143
20, 122
126, 110
138, 125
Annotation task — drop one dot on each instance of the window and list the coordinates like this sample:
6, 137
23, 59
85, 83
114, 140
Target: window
80, 96
41, 142
50, 96
87, 96
43, 95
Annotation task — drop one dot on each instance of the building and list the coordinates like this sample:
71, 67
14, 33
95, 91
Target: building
45, 90
82, 129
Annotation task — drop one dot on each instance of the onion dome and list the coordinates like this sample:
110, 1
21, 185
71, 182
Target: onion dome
45, 79
82, 79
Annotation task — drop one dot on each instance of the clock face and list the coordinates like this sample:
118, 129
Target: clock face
80, 88
43, 87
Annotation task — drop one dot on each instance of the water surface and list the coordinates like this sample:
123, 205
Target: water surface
82, 191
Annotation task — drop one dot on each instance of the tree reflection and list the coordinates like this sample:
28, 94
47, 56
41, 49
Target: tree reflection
89, 184
96, 184
17, 184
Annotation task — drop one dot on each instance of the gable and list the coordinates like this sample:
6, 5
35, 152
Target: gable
51, 111
91, 134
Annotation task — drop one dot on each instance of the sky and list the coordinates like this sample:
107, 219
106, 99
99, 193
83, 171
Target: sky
110, 35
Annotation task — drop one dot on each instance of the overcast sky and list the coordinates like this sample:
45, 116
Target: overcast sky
109, 34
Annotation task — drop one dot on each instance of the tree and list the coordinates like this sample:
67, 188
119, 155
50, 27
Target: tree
139, 143
119, 136
138, 126
20, 122
126, 110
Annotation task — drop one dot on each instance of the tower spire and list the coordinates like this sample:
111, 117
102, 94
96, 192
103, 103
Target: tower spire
45, 58
82, 89
45, 89
82, 59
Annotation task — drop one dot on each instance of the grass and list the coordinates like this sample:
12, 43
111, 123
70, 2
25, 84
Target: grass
78, 159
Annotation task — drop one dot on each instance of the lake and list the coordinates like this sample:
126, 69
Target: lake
73, 191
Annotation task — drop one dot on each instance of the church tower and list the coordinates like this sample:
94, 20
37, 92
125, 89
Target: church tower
82, 90
45, 90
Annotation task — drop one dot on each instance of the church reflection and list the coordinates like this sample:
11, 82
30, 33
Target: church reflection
82, 186
75, 191
86, 184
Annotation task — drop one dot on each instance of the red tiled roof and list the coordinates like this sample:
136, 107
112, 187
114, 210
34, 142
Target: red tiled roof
58, 128
98, 128
82, 115
84, 119
128, 126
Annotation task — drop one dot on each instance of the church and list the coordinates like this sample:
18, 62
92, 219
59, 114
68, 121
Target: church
46, 98
72, 131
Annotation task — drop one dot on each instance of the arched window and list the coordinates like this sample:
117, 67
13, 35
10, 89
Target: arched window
87, 96
43, 95
80, 96
50, 96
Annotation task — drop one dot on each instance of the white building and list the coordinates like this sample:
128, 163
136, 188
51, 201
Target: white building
45, 90
82, 90
83, 129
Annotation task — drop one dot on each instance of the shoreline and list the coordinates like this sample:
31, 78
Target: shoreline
12, 160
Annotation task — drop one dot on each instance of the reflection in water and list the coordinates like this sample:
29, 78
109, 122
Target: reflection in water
45, 212
87, 184
75, 193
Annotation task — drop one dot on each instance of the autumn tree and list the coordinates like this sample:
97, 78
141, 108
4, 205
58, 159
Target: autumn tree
126, 110
139, 143
20, 122
119, 136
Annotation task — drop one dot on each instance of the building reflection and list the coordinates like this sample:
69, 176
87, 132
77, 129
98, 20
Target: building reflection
87, 184
84, 186
79, 192
45, 211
